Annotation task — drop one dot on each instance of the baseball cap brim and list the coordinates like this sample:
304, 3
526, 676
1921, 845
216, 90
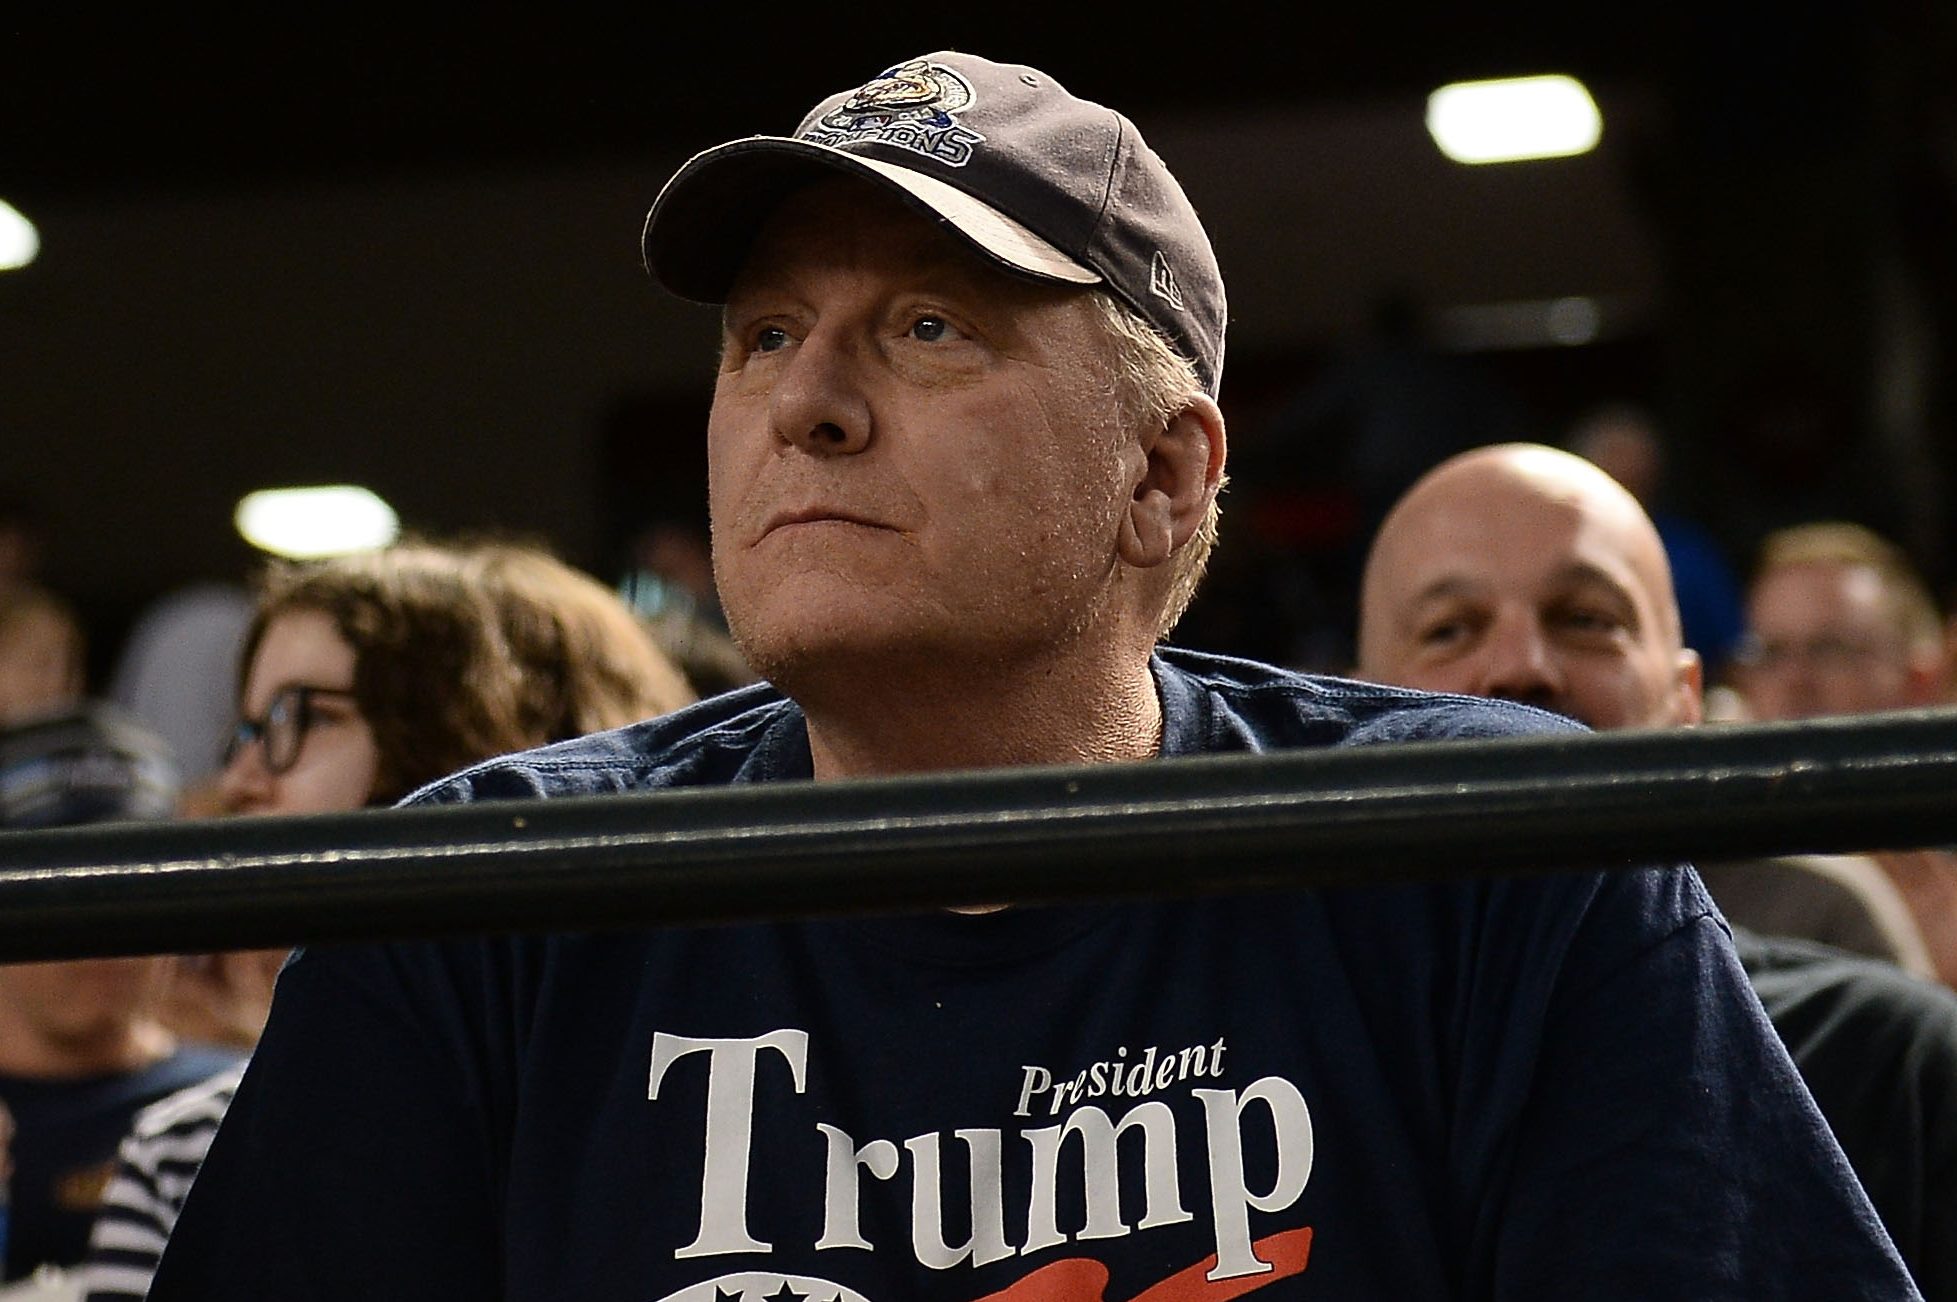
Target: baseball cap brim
704, 221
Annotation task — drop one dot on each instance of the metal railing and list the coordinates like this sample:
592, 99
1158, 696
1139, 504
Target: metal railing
1285, 820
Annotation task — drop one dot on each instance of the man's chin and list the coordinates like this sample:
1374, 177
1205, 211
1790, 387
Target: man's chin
838, 658
817, 651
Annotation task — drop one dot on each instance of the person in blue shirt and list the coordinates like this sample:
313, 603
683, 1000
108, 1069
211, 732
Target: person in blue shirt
964, 459
84, 1044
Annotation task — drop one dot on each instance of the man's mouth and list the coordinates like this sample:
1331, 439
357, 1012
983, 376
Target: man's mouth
818, 515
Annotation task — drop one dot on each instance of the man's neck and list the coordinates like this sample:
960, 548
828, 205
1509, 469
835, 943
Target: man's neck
932, 722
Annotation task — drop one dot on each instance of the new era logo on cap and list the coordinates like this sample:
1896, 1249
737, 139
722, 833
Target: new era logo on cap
1162, 281
1042, 182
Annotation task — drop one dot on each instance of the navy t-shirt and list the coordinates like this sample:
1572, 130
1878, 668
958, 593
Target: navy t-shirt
1552, 1087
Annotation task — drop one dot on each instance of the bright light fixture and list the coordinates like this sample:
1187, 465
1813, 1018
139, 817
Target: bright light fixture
324, 520
1513, 119
19, 241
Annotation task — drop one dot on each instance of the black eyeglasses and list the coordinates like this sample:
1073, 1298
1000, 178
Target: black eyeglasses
283, 726
1823, 653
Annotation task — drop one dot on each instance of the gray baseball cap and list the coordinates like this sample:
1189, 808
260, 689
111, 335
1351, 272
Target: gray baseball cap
89, 764
1043, 183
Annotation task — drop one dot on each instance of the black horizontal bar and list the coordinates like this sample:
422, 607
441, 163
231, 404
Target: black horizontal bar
1286, 820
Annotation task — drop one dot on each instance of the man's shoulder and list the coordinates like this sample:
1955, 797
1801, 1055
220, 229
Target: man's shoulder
751, 733
1224, 703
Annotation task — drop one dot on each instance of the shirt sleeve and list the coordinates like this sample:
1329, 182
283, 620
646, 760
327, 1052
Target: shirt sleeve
154, 1167
357, 1160
1667, 1147
128, 1235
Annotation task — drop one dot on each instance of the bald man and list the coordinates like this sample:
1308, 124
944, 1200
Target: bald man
1522, 572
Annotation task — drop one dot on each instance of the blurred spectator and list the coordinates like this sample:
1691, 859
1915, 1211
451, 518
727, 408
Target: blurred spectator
1841, 623
89, 763
83, 1047
178, 673
369, 675
42, 653
1838, 622
1623, 441
364, 678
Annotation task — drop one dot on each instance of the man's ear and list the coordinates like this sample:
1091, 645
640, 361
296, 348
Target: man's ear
1925, 681
1691, 688
1182, 471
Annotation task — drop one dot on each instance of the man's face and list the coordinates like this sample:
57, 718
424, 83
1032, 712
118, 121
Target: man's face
1825, 639
1500, 585
913, 458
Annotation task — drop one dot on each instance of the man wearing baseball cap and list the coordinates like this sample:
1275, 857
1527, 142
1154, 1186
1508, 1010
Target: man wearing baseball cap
964, 456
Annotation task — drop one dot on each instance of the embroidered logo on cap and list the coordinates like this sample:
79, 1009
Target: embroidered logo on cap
1162, 281
911, 106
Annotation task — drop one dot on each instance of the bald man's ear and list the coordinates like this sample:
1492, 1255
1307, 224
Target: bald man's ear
1182, 471
1925, 681
1690, 688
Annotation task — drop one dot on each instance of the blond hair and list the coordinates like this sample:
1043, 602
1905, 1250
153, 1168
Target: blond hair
1837, 542
1154, 383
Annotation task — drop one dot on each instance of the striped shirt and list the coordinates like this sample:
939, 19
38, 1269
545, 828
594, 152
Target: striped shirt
154, 1168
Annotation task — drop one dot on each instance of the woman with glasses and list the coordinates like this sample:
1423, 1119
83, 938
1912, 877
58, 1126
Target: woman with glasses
363, 678
366, 677
302, 672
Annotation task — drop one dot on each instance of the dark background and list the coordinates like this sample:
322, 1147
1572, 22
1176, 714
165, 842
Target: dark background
401, 250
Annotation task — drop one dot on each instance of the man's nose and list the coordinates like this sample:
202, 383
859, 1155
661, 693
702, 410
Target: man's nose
1518, 664
818, 404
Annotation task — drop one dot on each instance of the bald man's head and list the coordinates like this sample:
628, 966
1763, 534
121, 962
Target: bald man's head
1523, 572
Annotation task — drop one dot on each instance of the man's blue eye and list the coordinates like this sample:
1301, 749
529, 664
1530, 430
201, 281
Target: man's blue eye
770, 338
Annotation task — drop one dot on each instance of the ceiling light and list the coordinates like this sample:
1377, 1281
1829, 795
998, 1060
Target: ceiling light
19, 241
324, 520
1513, 119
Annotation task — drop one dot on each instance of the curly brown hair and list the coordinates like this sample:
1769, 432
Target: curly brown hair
467, 650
